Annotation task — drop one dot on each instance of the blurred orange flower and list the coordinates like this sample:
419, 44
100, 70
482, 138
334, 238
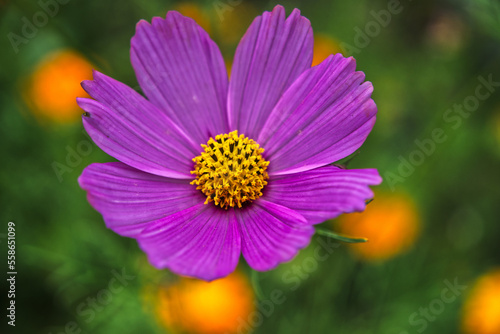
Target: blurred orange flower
196, 306
482, 308
324, 46
232, 21
229, 67
54, 85
196, 12
390, 223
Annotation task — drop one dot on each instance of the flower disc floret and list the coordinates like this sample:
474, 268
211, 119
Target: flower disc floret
231, 170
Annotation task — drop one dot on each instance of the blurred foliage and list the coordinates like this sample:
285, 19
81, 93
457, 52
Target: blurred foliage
423, 62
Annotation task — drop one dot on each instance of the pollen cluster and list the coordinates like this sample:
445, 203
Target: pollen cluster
231, 170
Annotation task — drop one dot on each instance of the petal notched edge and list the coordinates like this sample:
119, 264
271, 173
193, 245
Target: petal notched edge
274, 51
181, 70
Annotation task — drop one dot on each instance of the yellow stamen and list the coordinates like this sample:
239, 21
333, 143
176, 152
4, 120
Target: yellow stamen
231, 170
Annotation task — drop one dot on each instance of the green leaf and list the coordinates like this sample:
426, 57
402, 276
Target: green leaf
340, 237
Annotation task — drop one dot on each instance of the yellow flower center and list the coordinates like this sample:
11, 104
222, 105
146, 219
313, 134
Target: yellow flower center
231, 170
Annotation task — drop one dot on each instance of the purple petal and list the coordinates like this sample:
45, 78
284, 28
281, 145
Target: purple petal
129, 200
323, 193
324, 116
270, 56
128, 127
202, 241
181, 70
271, 234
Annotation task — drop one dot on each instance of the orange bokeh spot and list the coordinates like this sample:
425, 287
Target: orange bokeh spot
55, 84
482, 308
390, 223
229, 67
196, 306
196, 12
231, 21
323, 47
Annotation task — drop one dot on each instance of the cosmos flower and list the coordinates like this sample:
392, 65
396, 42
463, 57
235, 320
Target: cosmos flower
262, 176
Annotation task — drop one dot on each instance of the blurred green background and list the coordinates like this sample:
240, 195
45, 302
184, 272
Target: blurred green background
434, 222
